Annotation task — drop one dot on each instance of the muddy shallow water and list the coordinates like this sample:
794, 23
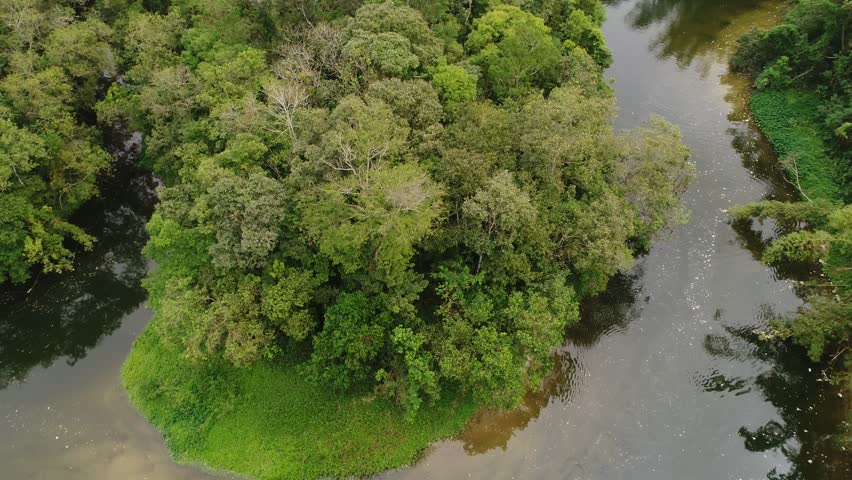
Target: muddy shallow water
663, 378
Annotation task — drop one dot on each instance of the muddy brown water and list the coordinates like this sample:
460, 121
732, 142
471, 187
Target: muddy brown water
662, 379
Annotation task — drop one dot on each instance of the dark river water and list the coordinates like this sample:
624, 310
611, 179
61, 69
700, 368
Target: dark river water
663, 378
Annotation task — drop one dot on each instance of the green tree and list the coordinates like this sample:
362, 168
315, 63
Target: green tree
346, 350
825, 322
455, 85
471, 350
287, 301
388, 52
230, 325
539, 319
496, 216
419, 378
359, 137
246, 215
567, 140
406, 217
515, 51
34, 236
50, 156
151, 42
413, 100
594, 237
394, 39
373, 222
20, 152
83, 51
581, 30
653, 171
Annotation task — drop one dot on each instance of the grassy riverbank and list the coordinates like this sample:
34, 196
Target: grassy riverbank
270, 423
789, 120
803, 92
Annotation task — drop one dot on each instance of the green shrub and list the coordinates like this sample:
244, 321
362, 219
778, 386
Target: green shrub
758, 48
788, 119
775, 76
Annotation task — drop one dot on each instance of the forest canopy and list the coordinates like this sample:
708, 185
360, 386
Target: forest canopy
409, 205
404, 198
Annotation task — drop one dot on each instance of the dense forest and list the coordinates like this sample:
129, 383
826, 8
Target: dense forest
396, 201
802, 70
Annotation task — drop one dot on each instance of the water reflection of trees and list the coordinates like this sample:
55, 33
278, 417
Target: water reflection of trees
755, 240
65, 316
608, 313
805, 402
494, 428
796, 388
757, 157
755, 236
691, 28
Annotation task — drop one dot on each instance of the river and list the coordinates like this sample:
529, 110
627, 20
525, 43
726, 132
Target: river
663, 378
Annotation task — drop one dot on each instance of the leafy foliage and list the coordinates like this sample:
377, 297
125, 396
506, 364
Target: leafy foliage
581, 30
825, 323
515, 51
362, 204
788, 119
295, 428
655, 163
403, 198
803, 106
386, 202
809, 53
347, 349
455, 85
790, 215
342, 196
53, 60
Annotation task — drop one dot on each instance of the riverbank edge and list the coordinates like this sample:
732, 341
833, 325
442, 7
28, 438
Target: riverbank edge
268, 422
787, 118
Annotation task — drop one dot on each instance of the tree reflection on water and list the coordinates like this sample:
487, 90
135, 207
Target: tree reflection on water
65, 316
806, 403
809, 409
608, 313
697, 28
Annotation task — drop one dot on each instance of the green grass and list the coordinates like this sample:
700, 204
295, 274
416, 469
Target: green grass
268, 422
789, 120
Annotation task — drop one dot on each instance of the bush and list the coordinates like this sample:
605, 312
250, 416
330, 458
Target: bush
776, 75
788, 119
759, 48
